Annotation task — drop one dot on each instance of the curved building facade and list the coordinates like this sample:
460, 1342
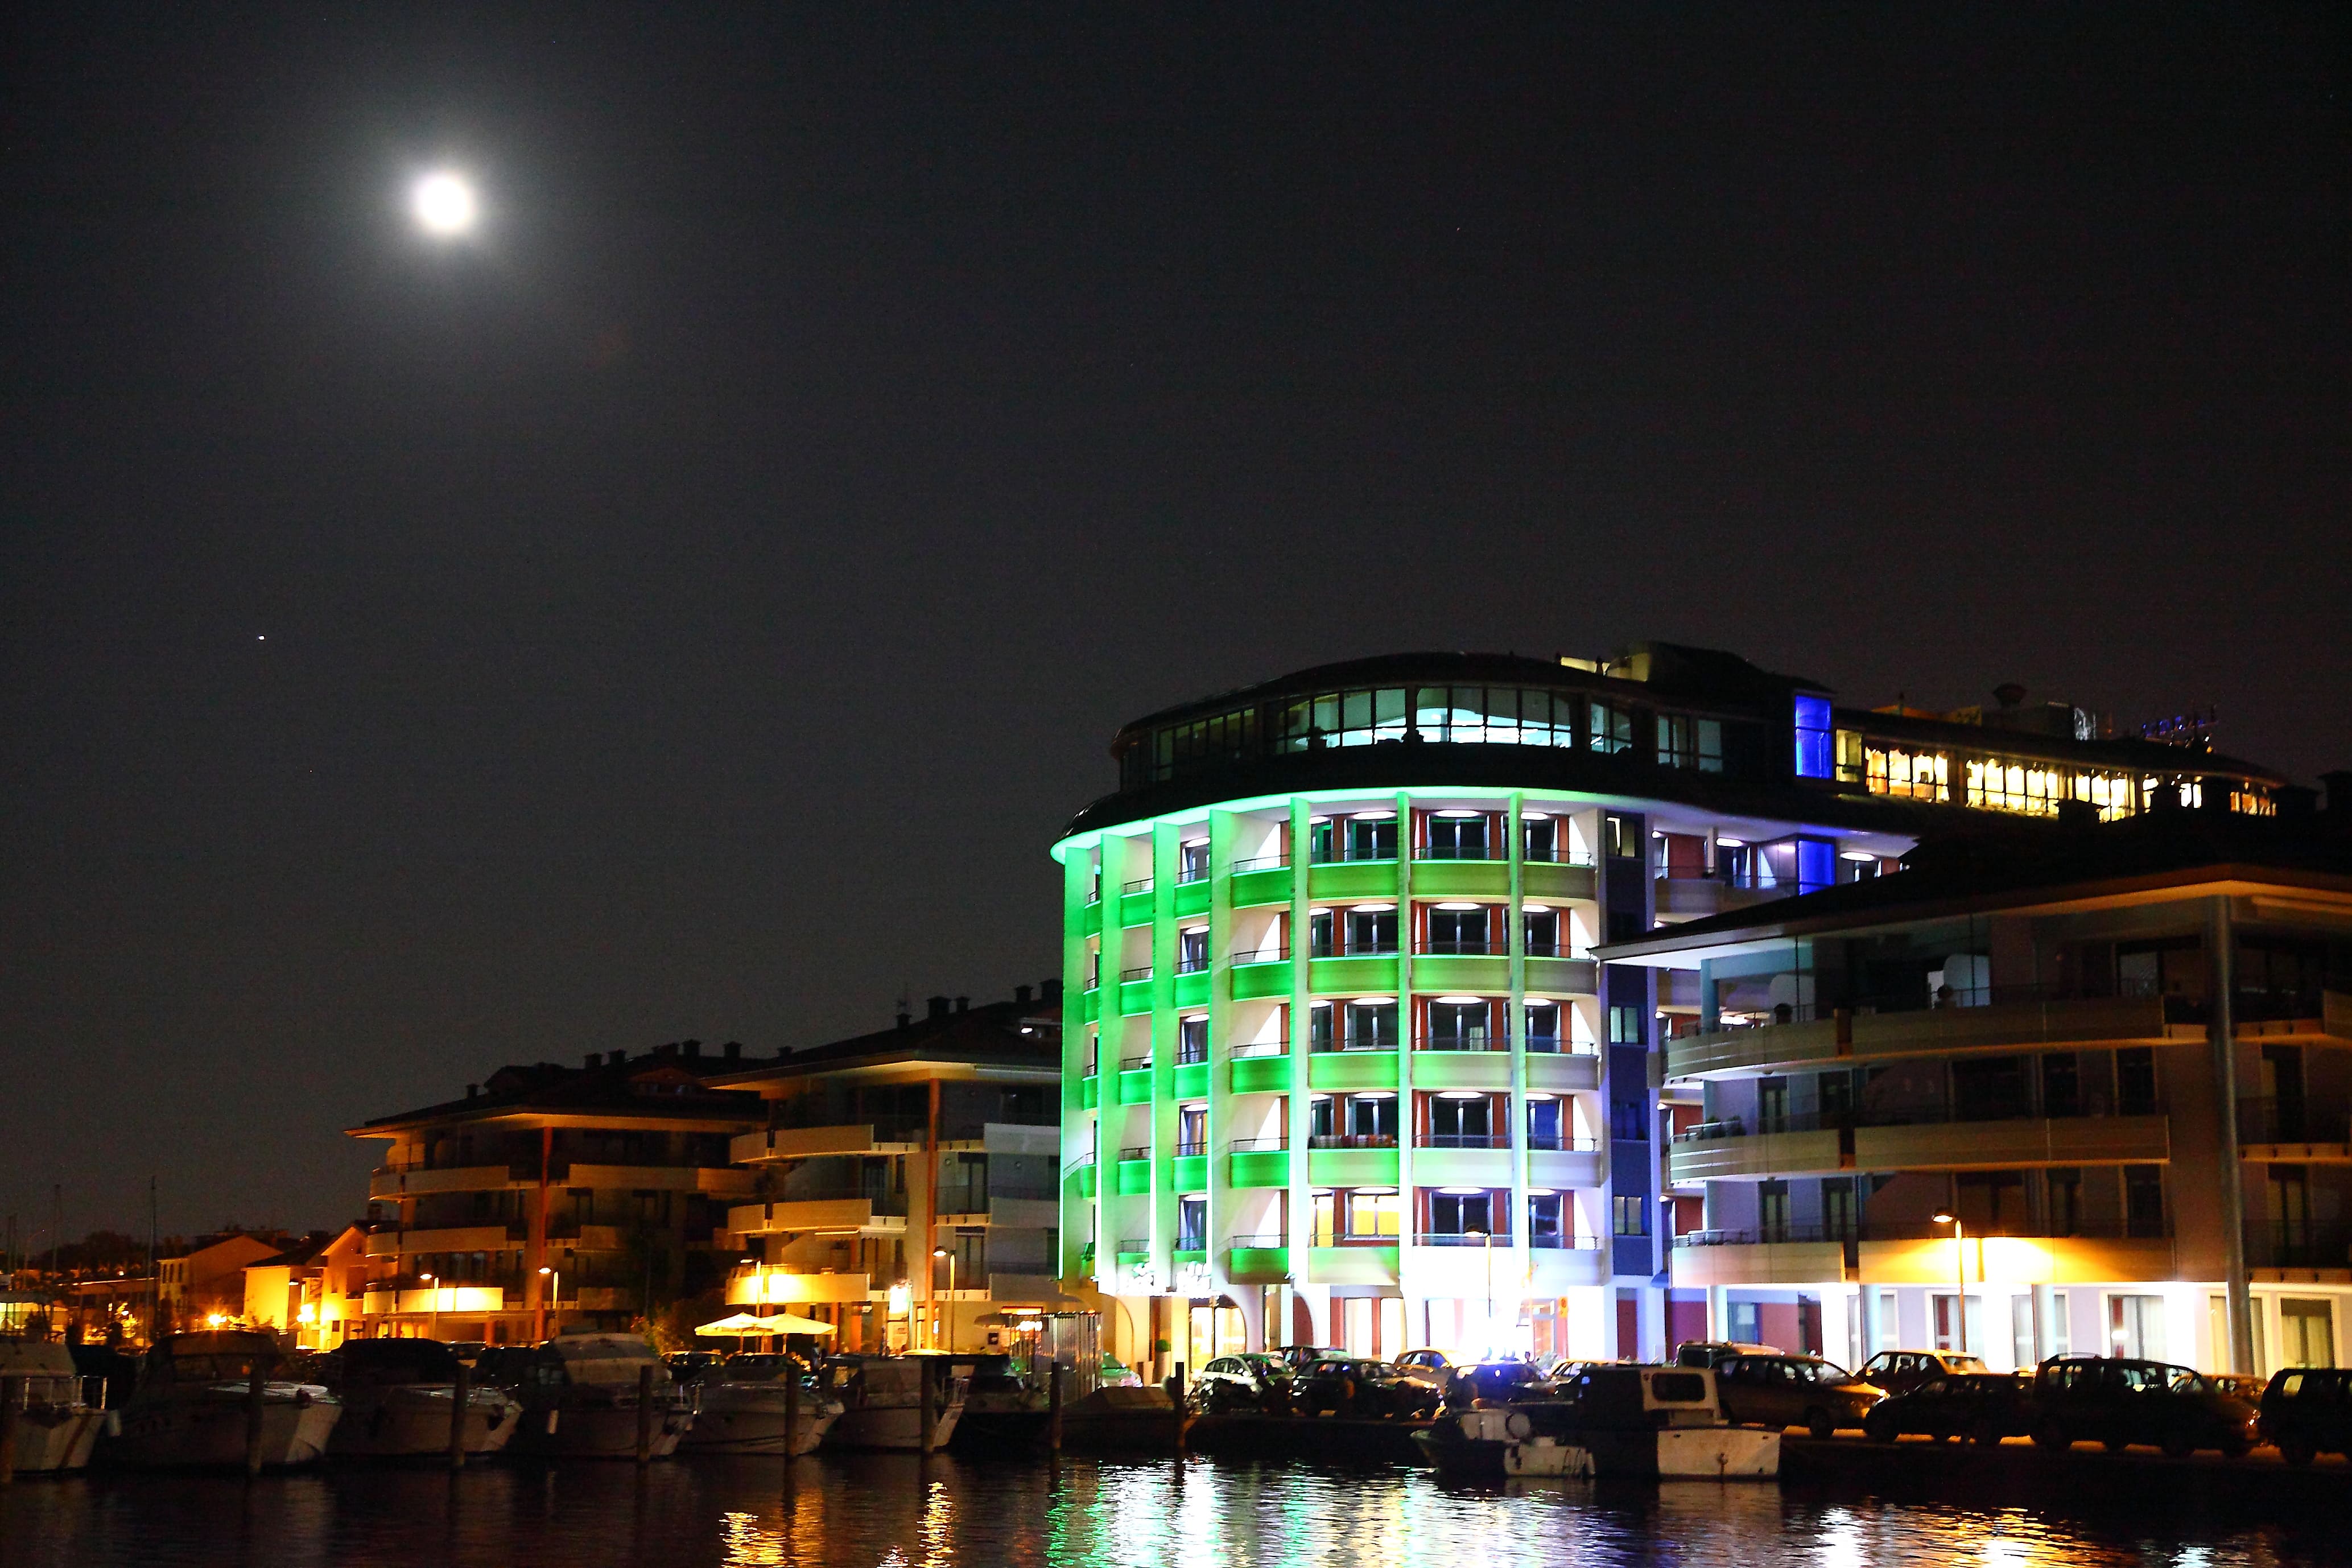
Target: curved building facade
1339, 1066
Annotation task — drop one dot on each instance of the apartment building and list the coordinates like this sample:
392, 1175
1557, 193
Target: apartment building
553, 1197
2084, 1091
903, 1181
1343, 1061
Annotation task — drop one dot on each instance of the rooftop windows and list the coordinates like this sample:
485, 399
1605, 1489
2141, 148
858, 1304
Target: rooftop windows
1611, 728
1907, 774
1813, 728
1687, 742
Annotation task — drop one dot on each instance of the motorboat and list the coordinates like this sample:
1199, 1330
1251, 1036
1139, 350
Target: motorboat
1002, 1408
882, 1398
741, 1407
57, 1426
194, 1405
399, 1396
579, 1394
1610, 1421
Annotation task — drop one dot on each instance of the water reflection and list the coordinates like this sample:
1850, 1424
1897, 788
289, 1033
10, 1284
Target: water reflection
894, 1512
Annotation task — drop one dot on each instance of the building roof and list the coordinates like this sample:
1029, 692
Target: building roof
667, 1087
2158, 855
1019, 1035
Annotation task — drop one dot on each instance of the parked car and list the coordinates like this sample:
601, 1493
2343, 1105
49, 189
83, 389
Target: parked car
1715, 1352
2245, 1384
1794, 1391
1117, 1373
1360, 1386
2118, 1402
1900, 1372
1299, 1358
1489, 1383
1982, 1406
1434, 1368
2307, 1411
1248, 1381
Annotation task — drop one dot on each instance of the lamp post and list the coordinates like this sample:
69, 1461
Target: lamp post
943, 1252
554, 1290
432, 1303
1960, 1277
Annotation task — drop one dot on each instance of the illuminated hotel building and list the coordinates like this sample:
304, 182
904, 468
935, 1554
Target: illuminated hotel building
2086, 1094
1339, 1065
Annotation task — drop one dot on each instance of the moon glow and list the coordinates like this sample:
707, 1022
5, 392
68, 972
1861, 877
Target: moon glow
444, 204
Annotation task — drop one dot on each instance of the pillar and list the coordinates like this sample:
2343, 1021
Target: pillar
2221, 971
1718, 1312
1874, 1327
2045, 1322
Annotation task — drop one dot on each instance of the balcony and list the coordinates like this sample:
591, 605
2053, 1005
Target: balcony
1259, 1162
1355, 1163
2295, 1132
761, 1285
1462, 1141
1371, 1261
1258, 1260
1802, 1044
837, 1214
1562, 977
391, 1241
412, 1181
1696, 897
1583, 1164
1930, 1141
902, 1136
1912, 1255
1474, 1040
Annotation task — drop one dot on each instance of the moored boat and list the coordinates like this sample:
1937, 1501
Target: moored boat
56, 1426
194, 1406
579, 1394
741, 1407
882, 1398
1657, 1423
399, 1396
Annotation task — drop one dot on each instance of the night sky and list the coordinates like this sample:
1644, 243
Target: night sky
690, 606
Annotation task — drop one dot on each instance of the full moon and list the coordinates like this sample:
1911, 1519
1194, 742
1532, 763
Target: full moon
444, 203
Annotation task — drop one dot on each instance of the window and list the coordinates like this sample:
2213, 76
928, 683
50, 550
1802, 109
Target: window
1192, 1129
1372, 1025
2136, 1327
2306, 1332
1813, 727
1456, 929
2136, 1079
1461, 1214
1625, 1026
1687, 742
2144, 1200
1192, 861
1193, 949
1907, 774
1319, 1118
1629, 1215
1372, 838
1373, 929
1461, 1121
1539, 839
1611, 728
2061, 1085
1772, 1210
1543, 1026
2064, 1185
1321, 847
1372, 1214
1318, 934
1544, 1124
1457, 835
1458, 1025
1625, 835
1629, 1120
1192, 1223
1543, 933
1191, 1041
1318, 1026
1543, 1219
1839, 1222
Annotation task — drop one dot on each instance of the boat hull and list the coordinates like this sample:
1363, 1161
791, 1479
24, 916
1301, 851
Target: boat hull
413, 1422
51, 1442
732, 1425
210, 1430
1482, 1443
897, 1428
559, 1432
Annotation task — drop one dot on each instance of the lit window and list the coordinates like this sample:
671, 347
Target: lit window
1611, 728
1908, 776
1812, 725
1687, 742
1630, 1215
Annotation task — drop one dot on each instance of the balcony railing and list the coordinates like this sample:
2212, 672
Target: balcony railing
1261, 863
1263, 1241
1261, 1049
1195, 873
1191, 1055
1352, 1141
1188, 1148
1456, 852
1557, 857
1263, 955
1465, 1040
1458, 947
1753, 1236
1140, 972
1557, 1241
1463, 1141
1547, 950
1191, 963
1461, 1238
1561, 1143
1136, 1244
891, 1205
1356, 950
1942, 1115
1140, 885
1134, 1064
2268, 1119
1359, 1042
1136, 1151
1356, 1238
1260, 1145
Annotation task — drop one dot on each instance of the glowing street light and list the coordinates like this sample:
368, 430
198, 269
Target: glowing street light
943, 1252
444, 204
1960, 1275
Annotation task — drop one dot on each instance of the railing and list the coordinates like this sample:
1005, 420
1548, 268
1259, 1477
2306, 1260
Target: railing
1140, 972
1558, 857
1185, 874
2310, 1246
1023, 1193
2268, 1119
1355, 1238
1459, 1238
1136, 1244
1467, 947
1134, 1064
892, 1204
1455, 852
1352, 860
1547, 950
887, 1129
1555, 1241
2177, 1009
1189, 1056
1083, 1163
1261, 863
1263, 1241
1186, 1148
1094, 1064
1468, 1041
1190, 1241
1138, 1151
1189, 964
1248, 1049
1140, 885
1359, 950
1463, 1141
1911, 1231
1359, 1042
1923, 1116
1260, 1145
1546, 1045
1561, 1143
1263, 955
1352, 1141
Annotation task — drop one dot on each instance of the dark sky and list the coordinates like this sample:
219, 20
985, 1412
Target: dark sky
691, 607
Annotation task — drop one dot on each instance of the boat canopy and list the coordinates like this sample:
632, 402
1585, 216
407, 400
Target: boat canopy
374, 1364
602, 1358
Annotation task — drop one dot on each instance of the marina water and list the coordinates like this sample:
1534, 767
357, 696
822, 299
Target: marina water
900, 1511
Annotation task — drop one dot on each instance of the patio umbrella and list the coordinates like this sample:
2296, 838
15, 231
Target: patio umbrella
743, 1324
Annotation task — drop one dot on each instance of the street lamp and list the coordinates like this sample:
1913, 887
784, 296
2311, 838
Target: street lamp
554, 1292
1960, 1277
943, 1252
432, 1303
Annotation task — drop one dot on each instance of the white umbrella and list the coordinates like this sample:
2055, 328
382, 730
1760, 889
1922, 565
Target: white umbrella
743, 1324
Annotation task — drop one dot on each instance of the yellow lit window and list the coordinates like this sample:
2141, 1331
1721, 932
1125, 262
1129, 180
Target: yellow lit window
1908, 776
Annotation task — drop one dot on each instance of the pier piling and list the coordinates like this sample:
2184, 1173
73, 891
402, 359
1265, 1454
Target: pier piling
256, 1390
461, 1395
1054, 1408
791, 1420
12, 1395
645, 1414
930, 1405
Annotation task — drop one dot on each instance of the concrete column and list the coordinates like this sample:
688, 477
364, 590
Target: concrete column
1718, 1313
1299, 1200
2045, 1322
2221, 971
1873, 1328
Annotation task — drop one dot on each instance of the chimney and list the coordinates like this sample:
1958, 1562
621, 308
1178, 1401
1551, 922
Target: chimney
732, 1051
964, 1004
1052, 990
596, 1058
693, 1049
619, 1057
1021, 995
937, 1006
2009, 694
905, 1017
2339, 792
472, 1090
